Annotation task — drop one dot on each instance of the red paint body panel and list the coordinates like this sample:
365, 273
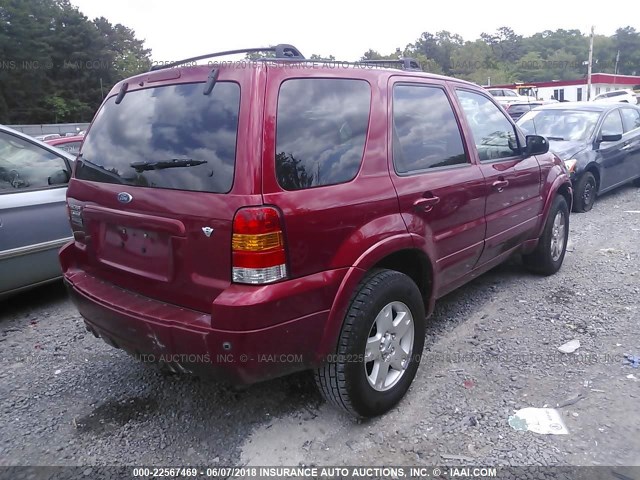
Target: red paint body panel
146, 278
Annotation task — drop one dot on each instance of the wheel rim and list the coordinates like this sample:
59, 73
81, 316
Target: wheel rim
588, 194
389, 346
558, 236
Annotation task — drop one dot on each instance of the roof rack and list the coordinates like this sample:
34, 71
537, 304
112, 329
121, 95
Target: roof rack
282, 51
410, 64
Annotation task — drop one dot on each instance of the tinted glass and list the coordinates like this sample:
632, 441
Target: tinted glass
426, 134
24, 165
630, 118
558, 125
493, 134
321, 131
165, 137
510, 93
496, 93
612, 124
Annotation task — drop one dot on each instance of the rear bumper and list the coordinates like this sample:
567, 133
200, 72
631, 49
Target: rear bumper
185, 340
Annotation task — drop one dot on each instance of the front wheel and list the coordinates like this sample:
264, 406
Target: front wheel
585, 193
379, 347
548, 256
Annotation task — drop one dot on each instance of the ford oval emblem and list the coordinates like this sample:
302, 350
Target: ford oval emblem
124, 197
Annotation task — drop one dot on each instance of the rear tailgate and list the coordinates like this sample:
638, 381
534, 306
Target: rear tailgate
159, 179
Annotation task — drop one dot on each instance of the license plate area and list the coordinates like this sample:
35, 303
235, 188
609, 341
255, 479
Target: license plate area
141, 251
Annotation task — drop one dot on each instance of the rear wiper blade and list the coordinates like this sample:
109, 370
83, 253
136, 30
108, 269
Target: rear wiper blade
172, 163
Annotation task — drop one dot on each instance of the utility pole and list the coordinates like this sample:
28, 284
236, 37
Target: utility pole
589, 65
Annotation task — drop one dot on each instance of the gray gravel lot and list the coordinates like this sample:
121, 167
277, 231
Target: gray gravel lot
67, 398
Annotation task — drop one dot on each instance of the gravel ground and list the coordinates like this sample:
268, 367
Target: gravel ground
67, 398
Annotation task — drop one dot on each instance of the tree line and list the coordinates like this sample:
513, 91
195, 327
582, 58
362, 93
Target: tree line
56, 65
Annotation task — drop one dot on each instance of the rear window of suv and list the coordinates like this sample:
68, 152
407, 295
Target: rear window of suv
321, 131
165, 137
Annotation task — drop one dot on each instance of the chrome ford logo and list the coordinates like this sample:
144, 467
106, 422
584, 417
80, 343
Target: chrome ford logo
124, 197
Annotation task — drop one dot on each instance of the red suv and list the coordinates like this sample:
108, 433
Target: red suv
253, 219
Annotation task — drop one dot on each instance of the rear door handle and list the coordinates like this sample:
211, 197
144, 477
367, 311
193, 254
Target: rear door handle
500, 185
426, 204
627, 146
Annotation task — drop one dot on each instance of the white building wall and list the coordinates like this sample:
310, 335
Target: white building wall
571, 91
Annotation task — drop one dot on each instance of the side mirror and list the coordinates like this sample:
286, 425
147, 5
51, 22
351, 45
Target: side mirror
536, 145
611, 138
59, 177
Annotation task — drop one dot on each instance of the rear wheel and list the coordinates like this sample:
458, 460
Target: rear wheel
548, 256
585, 193
379, 347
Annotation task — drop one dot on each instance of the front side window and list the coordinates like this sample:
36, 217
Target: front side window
612, 124
510, 93
493, 134
165, 137
24, 165
321, 131
425, 131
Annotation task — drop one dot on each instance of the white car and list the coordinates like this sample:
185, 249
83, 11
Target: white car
505, 96
616, 96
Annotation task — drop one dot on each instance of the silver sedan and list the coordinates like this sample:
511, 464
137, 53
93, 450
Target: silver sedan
33, 212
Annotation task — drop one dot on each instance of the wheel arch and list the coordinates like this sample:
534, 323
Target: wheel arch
396, 253
560, 186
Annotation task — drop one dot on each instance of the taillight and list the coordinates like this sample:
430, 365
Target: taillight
257, 246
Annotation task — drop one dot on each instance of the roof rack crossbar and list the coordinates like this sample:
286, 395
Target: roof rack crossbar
282, 50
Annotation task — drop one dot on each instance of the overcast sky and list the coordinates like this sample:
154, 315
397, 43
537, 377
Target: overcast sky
343, 28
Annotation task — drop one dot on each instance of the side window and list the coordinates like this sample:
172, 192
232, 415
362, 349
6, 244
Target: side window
425, 131
493, 134
612, 124
24, 165
496, 93
630, 119
510, 93
321, 131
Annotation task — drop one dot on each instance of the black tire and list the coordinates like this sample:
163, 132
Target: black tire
585, 194
542, 260
636, 182
343, 379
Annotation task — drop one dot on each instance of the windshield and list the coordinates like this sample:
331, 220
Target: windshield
165, 137
569, 125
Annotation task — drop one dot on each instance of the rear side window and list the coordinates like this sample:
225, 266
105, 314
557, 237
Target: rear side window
630, 118
321, 131
425, 131
165, 137
612, 124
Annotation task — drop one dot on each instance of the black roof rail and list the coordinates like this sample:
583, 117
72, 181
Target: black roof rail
282, 50
410, 64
